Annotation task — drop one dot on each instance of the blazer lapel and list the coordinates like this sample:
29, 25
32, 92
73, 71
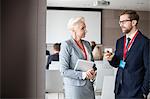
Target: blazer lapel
87, 46
77, 49
134, 45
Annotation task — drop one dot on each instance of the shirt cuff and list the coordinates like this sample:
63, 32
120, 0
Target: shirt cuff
83, 75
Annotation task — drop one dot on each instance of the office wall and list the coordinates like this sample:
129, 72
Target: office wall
23, 49
111, 30
41, 48
110, 27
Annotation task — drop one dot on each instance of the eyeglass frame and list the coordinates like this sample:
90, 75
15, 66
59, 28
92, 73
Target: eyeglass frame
124, 21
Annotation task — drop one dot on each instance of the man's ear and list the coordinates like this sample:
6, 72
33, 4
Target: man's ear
134, 22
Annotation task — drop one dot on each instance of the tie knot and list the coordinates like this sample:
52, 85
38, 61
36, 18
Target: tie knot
128, 40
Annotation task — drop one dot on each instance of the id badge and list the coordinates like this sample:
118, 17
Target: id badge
122, 64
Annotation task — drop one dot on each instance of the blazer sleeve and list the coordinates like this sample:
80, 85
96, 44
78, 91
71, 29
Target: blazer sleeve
65, 58
146, 58
115, 60
49, 60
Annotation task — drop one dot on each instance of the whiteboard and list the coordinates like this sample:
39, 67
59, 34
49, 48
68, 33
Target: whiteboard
56, 25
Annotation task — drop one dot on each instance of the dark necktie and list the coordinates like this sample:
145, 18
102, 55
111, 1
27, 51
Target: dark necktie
128, 40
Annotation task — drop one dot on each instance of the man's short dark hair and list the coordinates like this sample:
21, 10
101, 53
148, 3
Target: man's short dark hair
56, 46
132, 15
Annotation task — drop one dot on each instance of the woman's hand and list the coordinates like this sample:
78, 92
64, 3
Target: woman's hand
90, 74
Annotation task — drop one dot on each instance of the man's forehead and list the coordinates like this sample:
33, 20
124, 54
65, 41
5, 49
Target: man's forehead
126, 16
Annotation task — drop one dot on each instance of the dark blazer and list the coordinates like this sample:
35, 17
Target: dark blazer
133, 80
47, 52
53, 57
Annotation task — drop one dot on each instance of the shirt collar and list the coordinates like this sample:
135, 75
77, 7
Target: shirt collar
131, 35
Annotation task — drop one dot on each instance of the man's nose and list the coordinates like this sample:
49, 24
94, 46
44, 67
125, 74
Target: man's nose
121, 25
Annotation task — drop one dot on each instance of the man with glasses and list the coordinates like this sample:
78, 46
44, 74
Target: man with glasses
131, 58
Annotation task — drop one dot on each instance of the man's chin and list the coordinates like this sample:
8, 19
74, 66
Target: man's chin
125, 32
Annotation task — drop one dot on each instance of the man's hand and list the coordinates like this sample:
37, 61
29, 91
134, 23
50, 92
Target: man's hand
108, 55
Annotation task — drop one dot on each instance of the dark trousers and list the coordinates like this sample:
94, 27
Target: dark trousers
118, 97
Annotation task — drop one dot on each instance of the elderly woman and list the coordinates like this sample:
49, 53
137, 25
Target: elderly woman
77, 84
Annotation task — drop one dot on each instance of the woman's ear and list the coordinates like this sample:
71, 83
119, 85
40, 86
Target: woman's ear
73, 32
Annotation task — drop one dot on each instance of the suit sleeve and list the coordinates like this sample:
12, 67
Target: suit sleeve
64, 57
115, 60
146, 58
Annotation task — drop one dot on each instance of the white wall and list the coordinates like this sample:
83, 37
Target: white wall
56, 27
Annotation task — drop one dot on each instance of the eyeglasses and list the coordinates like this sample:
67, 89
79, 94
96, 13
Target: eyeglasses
124, 21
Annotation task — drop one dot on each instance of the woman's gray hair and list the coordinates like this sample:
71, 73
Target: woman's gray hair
74, 21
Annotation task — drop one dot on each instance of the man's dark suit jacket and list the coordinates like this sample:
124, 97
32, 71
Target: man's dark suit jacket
54, 57
133, 80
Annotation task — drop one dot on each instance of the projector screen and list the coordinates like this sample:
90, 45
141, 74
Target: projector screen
56, 25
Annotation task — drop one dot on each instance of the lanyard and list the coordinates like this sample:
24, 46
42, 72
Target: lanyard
82, 48
126, 48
